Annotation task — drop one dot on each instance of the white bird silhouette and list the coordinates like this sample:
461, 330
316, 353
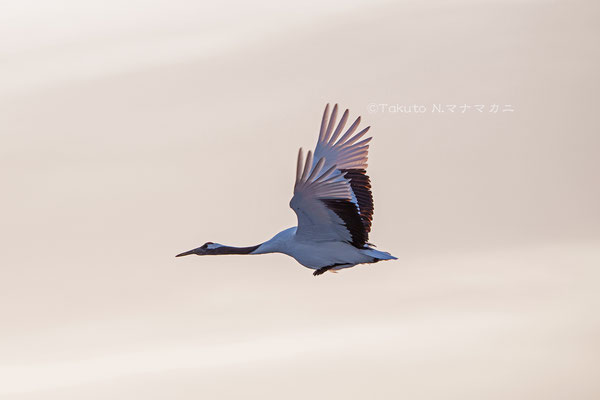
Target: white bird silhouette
333, 202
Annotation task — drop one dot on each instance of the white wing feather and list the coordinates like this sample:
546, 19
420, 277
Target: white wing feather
321, 177
347, 152
315, 221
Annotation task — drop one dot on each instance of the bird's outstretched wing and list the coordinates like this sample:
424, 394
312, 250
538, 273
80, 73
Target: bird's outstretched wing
332, 193
350, 155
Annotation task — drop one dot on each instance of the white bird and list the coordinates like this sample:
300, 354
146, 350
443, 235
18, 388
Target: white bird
333, 202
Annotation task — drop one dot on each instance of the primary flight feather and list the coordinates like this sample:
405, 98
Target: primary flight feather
332, 200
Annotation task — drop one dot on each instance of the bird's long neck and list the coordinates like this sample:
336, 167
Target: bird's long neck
276, 244
212, 249
235, 250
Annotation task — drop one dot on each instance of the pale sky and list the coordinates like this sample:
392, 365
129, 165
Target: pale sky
132, 132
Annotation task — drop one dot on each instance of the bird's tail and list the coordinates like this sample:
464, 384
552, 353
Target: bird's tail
379, 255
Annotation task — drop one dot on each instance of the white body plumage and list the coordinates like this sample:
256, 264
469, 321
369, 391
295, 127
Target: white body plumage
317, 255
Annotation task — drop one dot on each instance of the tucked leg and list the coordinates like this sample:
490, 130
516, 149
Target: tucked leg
322, 270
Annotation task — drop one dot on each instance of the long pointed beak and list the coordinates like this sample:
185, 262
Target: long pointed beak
187, 253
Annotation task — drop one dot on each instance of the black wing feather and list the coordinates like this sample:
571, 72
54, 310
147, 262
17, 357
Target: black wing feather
348, 212
361, 186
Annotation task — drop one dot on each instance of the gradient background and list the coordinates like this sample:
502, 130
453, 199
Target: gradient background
132, 132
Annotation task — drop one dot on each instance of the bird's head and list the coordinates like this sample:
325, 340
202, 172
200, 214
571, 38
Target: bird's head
208, 248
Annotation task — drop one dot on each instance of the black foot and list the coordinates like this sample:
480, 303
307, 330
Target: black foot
322, 270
